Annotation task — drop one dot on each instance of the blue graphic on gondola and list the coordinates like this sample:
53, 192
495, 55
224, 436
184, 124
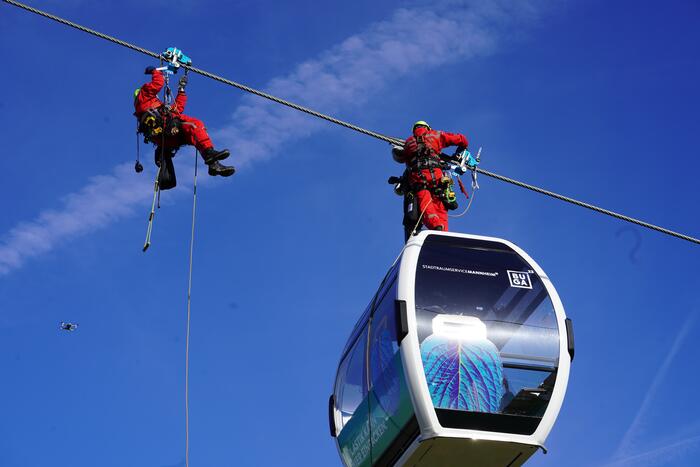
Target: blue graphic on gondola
462, 367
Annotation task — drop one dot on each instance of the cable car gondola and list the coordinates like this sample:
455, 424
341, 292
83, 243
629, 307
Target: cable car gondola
461, 358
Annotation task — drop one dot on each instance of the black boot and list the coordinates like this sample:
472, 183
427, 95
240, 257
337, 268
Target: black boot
217, 168
212, 155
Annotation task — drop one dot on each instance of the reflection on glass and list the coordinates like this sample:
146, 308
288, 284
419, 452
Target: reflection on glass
350, 387
371, 395
389, 400
487, 328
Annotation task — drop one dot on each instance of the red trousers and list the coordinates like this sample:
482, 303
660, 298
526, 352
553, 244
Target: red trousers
192, 132
434, 211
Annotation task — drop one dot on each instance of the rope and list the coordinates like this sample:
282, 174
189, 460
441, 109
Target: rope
475, 187
469, 204
189, 308
420, 218
152, 214
350, 126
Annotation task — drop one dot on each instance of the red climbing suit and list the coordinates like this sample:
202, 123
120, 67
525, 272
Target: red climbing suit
191, 131
425, 179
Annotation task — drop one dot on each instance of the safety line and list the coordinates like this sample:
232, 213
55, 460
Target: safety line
189, 314
350, 126
469, 204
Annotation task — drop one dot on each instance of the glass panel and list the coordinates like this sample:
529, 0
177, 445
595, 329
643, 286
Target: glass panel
487, 328
353, 408
362, 322
390, 402
351, 388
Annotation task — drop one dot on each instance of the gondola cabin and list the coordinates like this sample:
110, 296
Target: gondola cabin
461, 359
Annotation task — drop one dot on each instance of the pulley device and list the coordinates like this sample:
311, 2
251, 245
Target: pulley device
174, 57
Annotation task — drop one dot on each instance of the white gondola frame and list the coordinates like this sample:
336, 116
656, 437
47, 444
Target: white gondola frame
417, 384
429, 426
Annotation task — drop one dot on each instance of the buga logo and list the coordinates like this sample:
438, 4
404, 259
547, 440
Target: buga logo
519, 279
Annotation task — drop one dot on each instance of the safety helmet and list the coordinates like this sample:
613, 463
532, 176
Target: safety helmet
136, 93
421, 123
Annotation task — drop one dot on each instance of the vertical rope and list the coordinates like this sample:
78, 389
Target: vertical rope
189, 309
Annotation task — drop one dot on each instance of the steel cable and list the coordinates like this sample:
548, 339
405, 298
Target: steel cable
589, 206
350, 126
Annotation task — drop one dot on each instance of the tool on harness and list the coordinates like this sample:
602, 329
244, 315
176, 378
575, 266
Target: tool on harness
138, 168
460, 162
157, 123
400, 185
447, 193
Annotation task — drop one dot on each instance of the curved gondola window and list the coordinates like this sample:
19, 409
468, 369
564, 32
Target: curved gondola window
487, 329
352, 416
389, 399
351, 388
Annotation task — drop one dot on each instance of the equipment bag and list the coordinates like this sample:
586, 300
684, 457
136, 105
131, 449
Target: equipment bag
411, 214
166, 178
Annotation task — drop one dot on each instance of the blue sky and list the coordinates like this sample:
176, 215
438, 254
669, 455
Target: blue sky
597, 100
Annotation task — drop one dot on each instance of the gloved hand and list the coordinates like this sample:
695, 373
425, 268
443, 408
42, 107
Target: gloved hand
149, 70
182, 83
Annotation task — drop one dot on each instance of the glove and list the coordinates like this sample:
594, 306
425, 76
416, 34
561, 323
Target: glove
149, 70
182, 83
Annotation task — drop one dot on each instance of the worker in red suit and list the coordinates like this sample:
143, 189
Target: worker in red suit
424, 180
168, 128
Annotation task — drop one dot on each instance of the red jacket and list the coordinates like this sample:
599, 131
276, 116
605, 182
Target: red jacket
148, 99
435, 140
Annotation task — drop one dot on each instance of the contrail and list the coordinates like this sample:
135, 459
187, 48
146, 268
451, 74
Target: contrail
624, 447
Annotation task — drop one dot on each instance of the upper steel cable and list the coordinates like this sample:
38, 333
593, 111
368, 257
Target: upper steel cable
364, 131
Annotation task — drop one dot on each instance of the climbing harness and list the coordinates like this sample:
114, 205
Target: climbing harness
426, 159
